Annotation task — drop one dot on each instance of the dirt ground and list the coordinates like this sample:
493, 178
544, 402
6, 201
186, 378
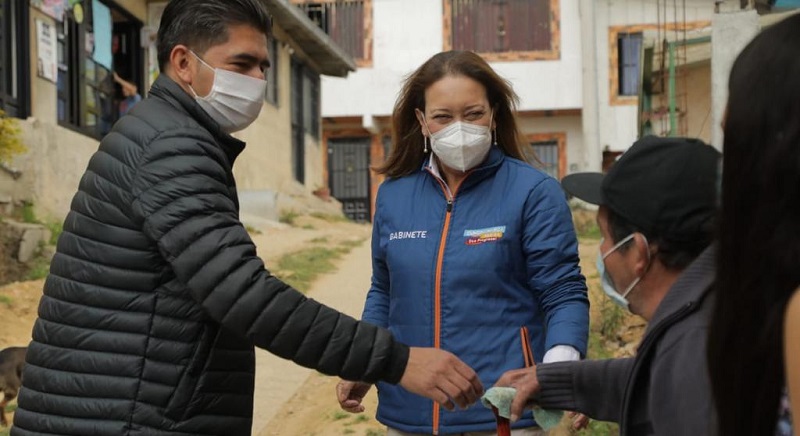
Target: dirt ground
289, 400
313, 411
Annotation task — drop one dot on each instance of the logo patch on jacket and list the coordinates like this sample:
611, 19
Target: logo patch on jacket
480, 236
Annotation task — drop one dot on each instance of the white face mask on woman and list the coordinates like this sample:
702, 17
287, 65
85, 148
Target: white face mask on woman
461, 146
235, 99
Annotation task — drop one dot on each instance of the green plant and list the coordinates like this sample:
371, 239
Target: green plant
10, 138
252, 230
11, 407
589, 230
28, 214
351, 243
373, 432
39, 270
360, 418
339, 415
348, 431
300, 268
288, 217
5, 299
600, 428
319, 240
329, 217
56, 228
612, 317
308, 227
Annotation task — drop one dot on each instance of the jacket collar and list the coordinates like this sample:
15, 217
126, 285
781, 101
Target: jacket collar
690, 288
487, 168
167, 89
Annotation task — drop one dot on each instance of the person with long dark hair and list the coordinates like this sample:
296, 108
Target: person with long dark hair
473, 248
753, 342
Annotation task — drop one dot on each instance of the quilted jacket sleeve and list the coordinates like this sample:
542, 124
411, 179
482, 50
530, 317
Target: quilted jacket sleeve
184, 204
376, 308
551, 250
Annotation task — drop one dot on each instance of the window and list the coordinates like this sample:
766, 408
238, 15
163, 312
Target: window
625, 51
629, 52
547, 152
14, 58
271, 95
528, 29
88, 97
347, 22
305, 113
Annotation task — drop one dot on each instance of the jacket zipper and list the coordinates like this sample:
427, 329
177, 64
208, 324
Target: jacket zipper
655, 333
437, 300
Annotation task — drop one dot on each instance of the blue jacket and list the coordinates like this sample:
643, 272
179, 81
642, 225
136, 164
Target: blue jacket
467, 275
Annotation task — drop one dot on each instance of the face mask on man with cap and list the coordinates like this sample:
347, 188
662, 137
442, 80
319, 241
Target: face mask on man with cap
660, 187
609, 288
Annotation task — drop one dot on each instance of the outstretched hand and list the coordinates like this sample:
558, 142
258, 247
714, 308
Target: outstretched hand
527, 385
442, 377
350, 394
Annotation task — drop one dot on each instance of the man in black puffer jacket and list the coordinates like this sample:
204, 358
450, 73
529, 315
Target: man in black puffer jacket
156, 297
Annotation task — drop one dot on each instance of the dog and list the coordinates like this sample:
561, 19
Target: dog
12, 360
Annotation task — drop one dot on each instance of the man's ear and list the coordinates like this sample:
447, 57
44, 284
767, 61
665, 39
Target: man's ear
643, 253
181, 62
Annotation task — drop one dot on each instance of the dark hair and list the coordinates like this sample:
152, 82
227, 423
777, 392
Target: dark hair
673, 255
200, 24
759, 248
407, 152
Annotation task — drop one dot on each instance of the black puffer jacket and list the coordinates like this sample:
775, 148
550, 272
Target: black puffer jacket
156, 296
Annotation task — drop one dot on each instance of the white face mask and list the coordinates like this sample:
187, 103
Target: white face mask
235, 99
605, 279
461, 146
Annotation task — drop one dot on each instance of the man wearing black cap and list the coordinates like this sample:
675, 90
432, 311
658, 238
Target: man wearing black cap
657, 207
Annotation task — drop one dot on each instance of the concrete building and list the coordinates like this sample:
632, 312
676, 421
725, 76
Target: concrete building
534, 44
56, 61
576, 65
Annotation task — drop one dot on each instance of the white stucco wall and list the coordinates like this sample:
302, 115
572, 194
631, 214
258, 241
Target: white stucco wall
57, 156
616, 124
408, 32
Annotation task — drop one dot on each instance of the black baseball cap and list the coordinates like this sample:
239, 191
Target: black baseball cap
663, 186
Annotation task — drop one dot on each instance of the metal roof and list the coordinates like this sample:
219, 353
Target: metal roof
325, 53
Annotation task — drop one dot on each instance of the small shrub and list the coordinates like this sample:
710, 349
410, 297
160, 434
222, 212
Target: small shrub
56, 228
288, 217
339, 415
360, 418
10, 138
252, 230
331, 218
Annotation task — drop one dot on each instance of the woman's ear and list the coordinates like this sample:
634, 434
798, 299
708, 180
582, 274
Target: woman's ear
422, 124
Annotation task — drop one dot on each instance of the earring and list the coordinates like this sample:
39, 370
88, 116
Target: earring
494, 137
425, 140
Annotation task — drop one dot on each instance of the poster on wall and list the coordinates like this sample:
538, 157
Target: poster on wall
149, 32
53, 8
102, 34
47, 57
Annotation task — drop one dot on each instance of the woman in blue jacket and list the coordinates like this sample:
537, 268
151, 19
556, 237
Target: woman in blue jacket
473, 250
